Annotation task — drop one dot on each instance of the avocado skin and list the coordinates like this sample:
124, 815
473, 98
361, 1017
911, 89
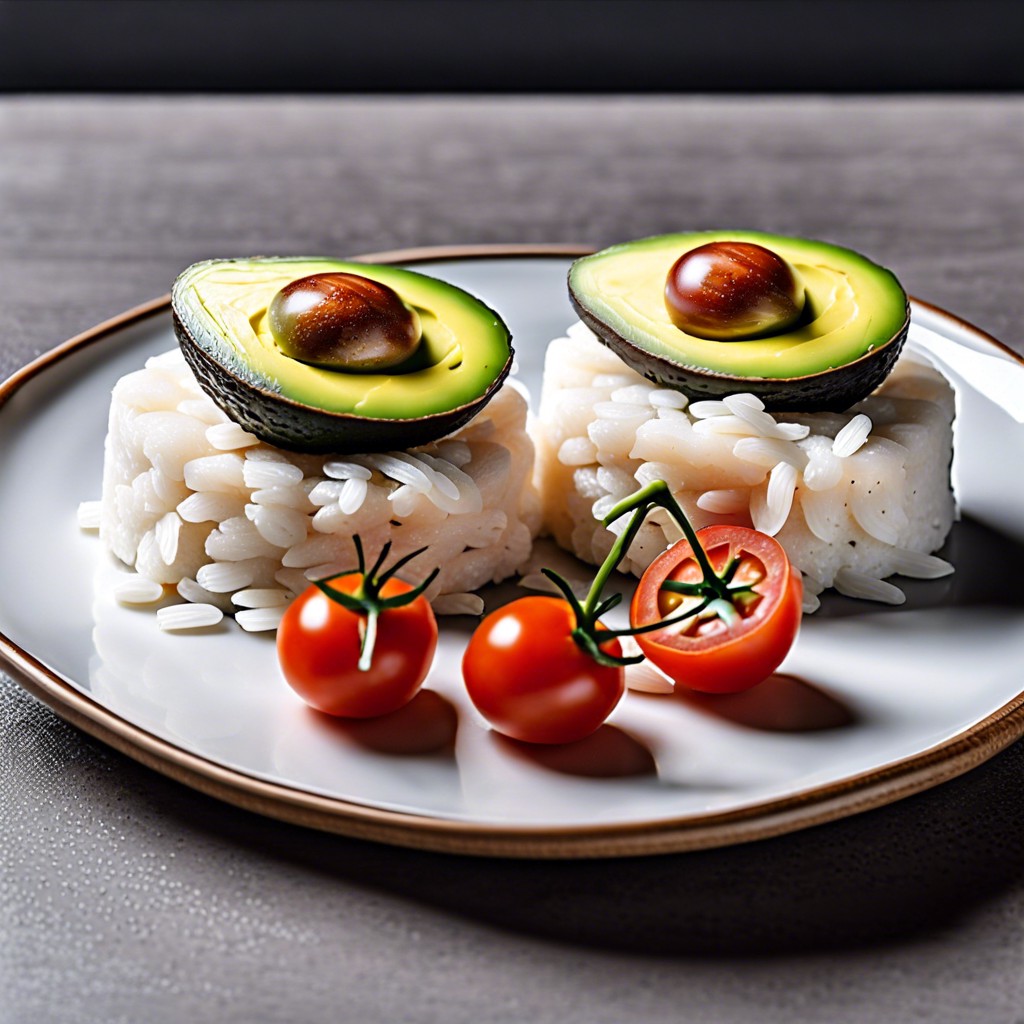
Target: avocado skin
279, 421
833, 390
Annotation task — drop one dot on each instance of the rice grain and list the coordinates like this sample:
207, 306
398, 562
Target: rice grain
257, 620
138, 590
229, 436
89, 515
850, 583
188, 616
259, 597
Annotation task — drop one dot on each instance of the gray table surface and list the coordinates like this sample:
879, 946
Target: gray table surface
126, 897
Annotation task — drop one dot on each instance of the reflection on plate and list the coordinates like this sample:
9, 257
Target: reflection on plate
872, 704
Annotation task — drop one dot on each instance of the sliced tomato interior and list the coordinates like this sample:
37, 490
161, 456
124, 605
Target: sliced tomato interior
749, 572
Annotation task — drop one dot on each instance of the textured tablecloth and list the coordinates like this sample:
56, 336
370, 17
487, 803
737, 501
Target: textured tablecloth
126, 897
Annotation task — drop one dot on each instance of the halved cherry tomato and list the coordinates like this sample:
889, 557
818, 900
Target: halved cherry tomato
531, 680
319, 643
721, 653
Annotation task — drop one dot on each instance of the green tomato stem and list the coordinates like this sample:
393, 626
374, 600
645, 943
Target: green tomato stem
366, 601
612, 559
657, 494
661, 623
713, 590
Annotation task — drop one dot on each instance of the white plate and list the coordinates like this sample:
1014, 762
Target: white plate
891, 700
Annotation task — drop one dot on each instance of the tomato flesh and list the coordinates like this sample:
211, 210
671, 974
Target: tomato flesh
708, 653
318, 644
531, 681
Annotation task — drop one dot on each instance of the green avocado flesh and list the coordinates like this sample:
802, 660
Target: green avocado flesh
223, 306
854, 307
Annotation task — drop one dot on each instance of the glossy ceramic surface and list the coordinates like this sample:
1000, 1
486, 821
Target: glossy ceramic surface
877, 701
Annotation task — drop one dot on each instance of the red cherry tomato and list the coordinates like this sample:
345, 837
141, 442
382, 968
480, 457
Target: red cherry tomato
528, 677
709, 653
318, 644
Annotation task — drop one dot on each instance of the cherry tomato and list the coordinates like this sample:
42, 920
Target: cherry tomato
709, 653
528, 677
319, 640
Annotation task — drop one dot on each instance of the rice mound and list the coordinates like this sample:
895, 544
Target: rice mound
192, 500
853, 497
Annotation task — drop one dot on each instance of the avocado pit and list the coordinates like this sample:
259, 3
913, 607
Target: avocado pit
343, 322
731, 291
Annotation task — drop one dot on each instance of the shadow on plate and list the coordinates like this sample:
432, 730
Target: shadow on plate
426, 725
988, 565
782, 703
608, 753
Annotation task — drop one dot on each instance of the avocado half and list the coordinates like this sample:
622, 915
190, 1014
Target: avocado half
846, 343
220, 319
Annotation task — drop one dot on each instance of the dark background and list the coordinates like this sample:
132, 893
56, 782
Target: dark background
524, 46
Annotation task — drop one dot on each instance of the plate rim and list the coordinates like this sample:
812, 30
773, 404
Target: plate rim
850, 795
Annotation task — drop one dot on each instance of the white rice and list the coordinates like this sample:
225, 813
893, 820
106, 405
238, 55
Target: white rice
260, 597
346, 471
89, 514
257, 620
851, 583
190, 590
136, 589
459, 604
850, 439
228, 436
188, 616
853, 497
646, 678
167, 532
237, 526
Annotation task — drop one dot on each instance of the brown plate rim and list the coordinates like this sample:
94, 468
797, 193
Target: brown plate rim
817, 805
